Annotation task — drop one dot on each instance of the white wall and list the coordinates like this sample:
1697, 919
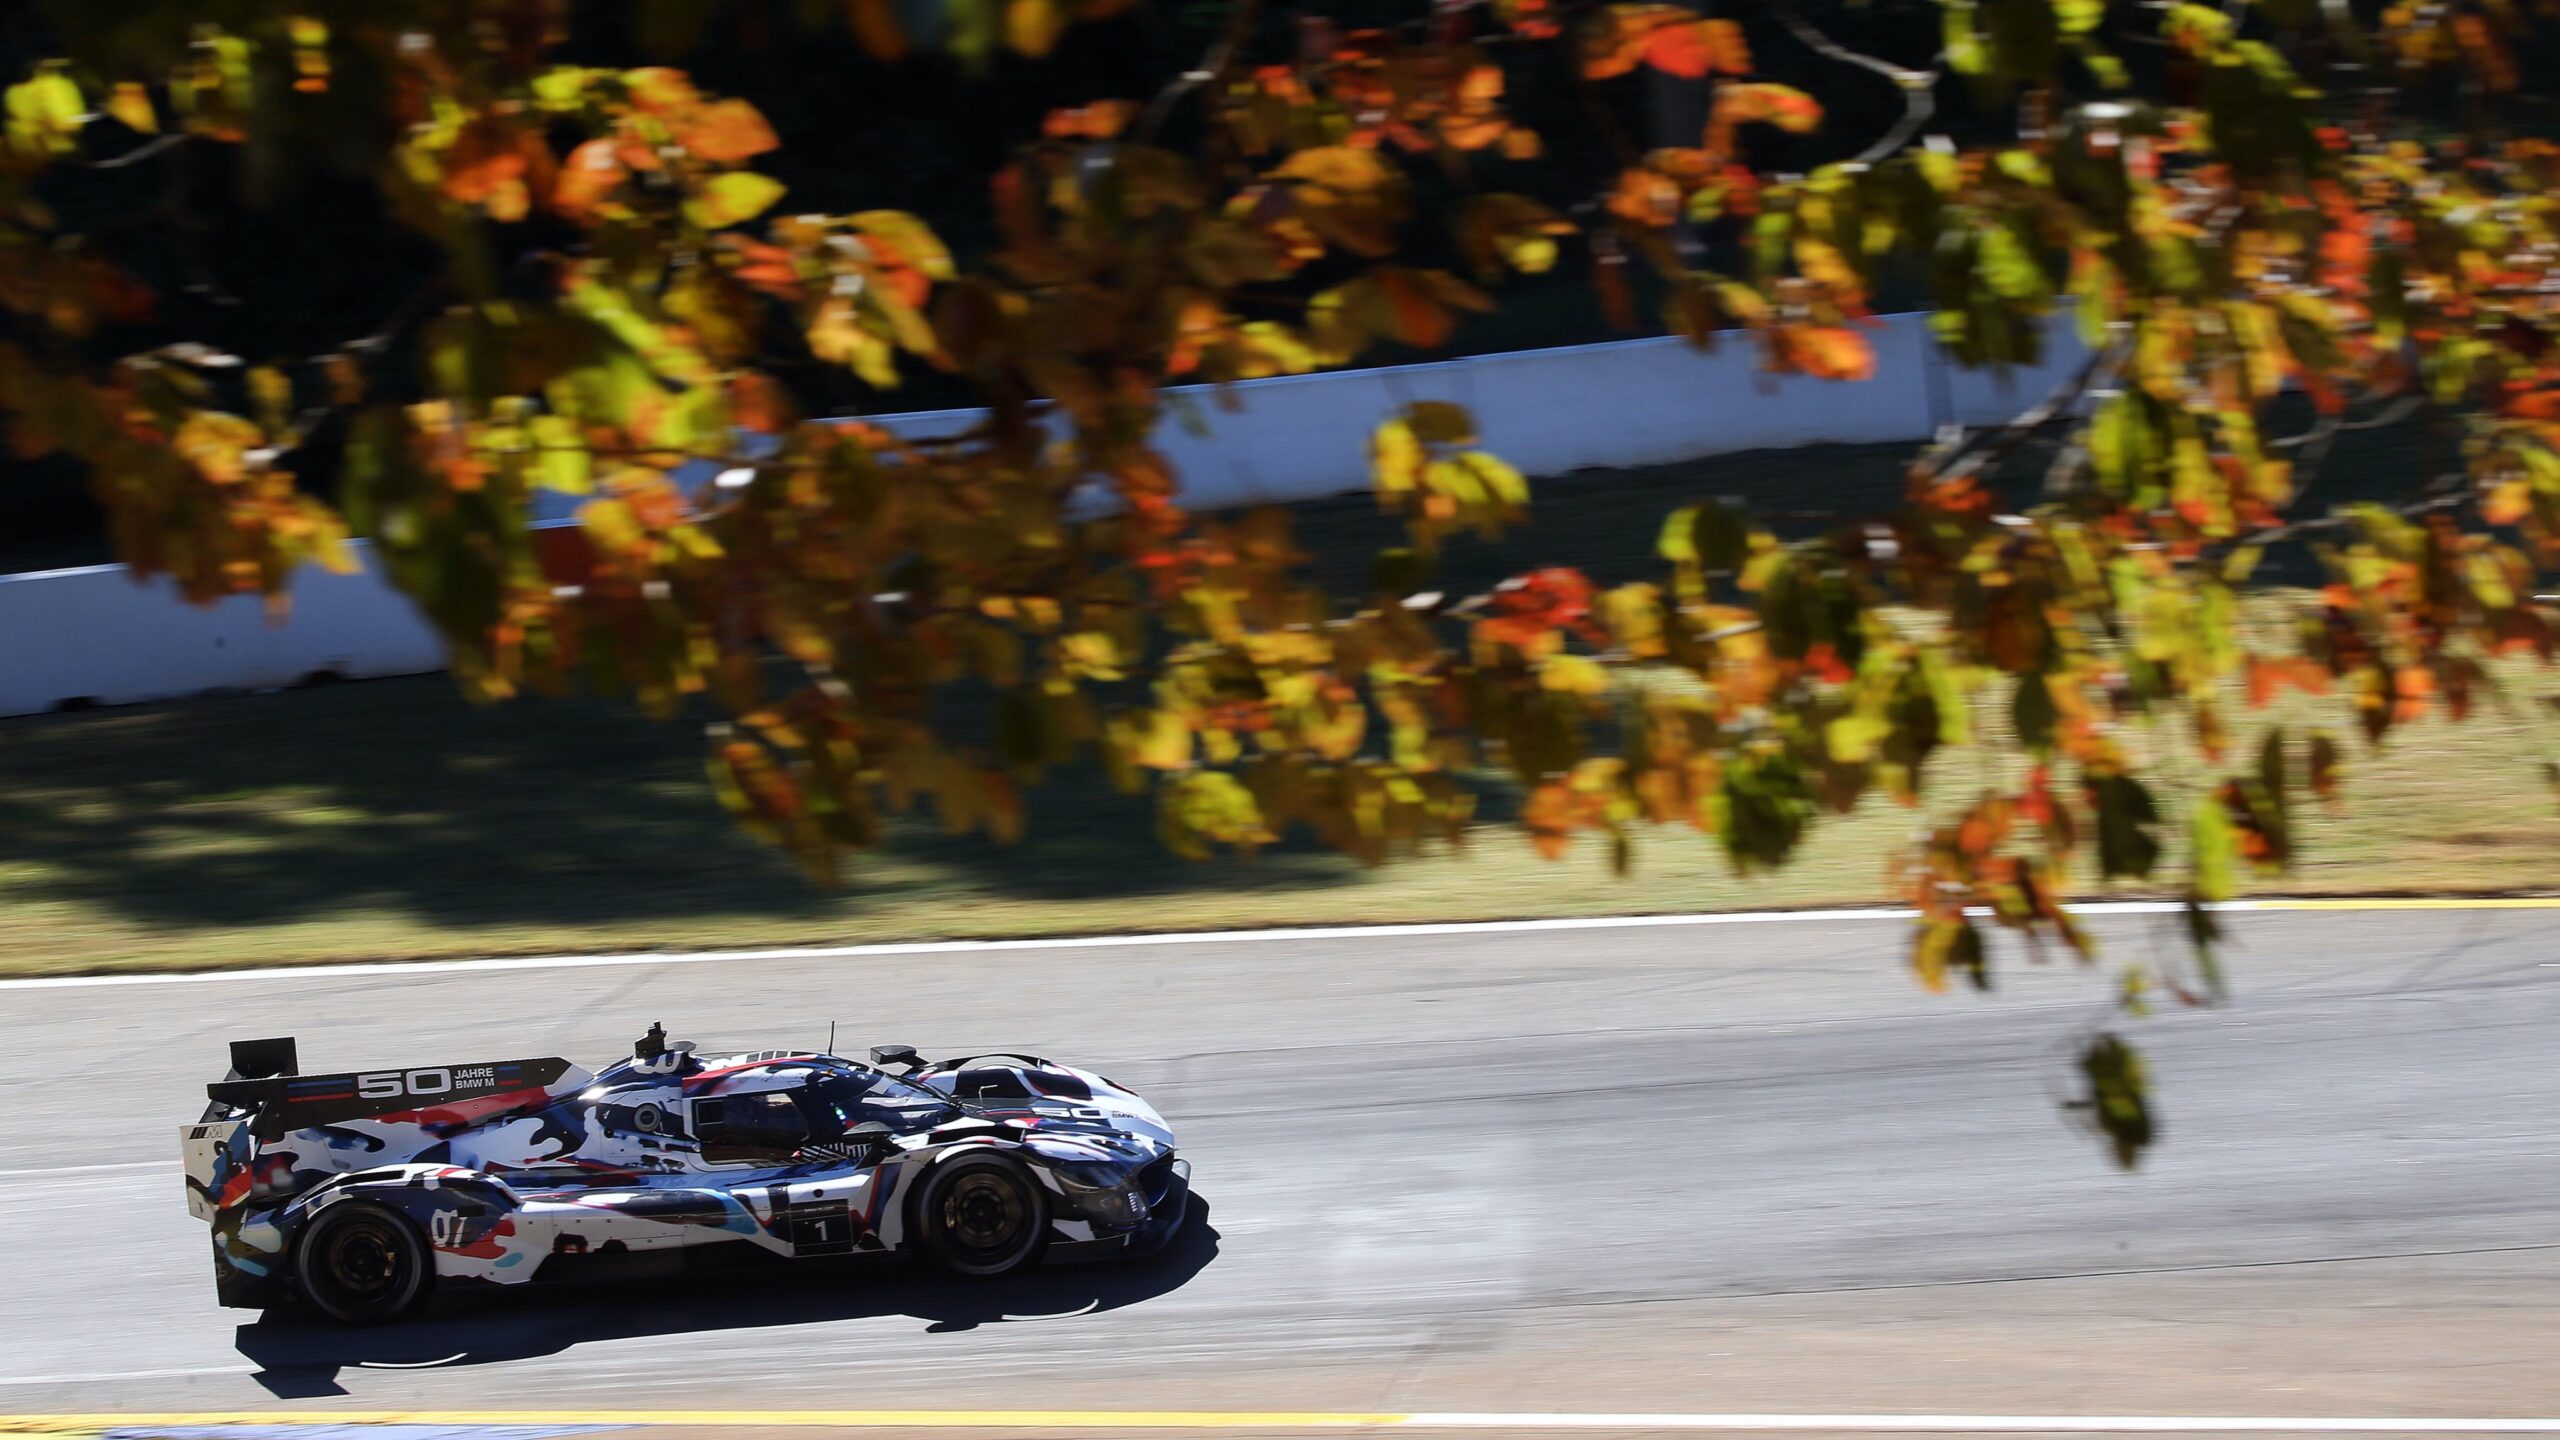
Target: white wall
98, 635
94, 635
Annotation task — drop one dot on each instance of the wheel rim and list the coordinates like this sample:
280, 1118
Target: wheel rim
364, 1262
985, 1215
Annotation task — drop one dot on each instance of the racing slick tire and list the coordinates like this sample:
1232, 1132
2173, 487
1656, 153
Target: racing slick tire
982, 1216
363, 1264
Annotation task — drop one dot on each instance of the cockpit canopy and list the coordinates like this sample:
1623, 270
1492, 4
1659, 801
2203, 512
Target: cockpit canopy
817, 1103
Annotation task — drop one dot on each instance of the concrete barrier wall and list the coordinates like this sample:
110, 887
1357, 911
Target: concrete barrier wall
1626, 402
96, 636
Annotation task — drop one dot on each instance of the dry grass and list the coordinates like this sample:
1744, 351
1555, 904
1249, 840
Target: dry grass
390, 820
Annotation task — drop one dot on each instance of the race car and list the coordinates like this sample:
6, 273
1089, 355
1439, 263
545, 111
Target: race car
362, 1193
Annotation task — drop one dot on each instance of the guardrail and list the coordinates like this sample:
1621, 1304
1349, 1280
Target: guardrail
95, 636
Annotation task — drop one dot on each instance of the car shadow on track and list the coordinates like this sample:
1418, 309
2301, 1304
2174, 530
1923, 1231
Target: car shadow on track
301, 1356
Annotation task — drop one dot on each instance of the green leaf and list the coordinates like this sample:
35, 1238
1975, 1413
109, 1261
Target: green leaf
562, 87
561, 461
1965, 52
2126, 817
2032, 713
2215, 847
2118, 1099
2203, 932
2079, 17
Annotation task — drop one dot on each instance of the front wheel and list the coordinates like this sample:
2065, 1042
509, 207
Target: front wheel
982, 1215
363, 1264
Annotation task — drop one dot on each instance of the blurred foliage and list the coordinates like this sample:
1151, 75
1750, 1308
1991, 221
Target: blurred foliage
612, 297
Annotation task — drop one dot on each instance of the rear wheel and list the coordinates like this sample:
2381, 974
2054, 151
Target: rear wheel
363, 1264
983, 1215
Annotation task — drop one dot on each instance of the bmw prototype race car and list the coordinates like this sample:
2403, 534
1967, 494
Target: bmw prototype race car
361, 1193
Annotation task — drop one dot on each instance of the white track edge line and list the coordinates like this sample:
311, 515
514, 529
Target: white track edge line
361, 969
1062, 942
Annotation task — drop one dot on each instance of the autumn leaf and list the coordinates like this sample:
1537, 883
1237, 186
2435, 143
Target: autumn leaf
1682, 50
1100, 120
730, 199
130, 104
728, 132
1396, 458
1761, 102
591, 173
45, 113
2117, 1102
1032, 27
1731, 53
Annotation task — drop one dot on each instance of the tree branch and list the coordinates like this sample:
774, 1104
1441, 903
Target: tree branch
1919, 87
1213, 68
1959, 464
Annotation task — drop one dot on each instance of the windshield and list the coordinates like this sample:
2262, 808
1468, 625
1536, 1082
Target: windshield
837, 1103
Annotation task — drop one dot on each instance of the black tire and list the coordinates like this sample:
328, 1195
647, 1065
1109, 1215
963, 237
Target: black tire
360, 1263
982, 1216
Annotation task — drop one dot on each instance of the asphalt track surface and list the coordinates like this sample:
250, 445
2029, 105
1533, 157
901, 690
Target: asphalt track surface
1743, 1168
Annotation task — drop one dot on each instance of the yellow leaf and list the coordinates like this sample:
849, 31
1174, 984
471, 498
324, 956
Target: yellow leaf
1574, 675
1395, 458
914, 240
729, 199
1346, 168
216, 444
836, 336
44, 113
1507, 485
1853, 738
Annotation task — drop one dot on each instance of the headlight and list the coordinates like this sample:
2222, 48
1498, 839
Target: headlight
1107, 1193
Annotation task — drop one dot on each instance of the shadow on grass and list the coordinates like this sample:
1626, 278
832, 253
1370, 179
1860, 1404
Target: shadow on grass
304, 1358
397, 795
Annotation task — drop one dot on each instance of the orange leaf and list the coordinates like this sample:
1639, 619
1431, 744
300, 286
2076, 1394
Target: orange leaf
769, 268
2507, 502
1100, 120
590, 174
1732, 54
729, 132
1784, 106
1828, 352
757, 403
1681, 50
1418, 319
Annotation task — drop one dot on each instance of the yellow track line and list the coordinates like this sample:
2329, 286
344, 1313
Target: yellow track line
2533, 902
862, 1419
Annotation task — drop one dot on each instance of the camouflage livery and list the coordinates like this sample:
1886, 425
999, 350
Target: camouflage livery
361, 1193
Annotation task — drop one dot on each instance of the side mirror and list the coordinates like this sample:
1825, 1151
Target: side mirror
886, 1055
871, 1135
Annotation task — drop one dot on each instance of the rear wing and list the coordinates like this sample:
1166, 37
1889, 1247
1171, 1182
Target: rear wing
263, 1084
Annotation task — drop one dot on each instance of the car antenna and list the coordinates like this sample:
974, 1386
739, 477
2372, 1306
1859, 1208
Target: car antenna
831, 1038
